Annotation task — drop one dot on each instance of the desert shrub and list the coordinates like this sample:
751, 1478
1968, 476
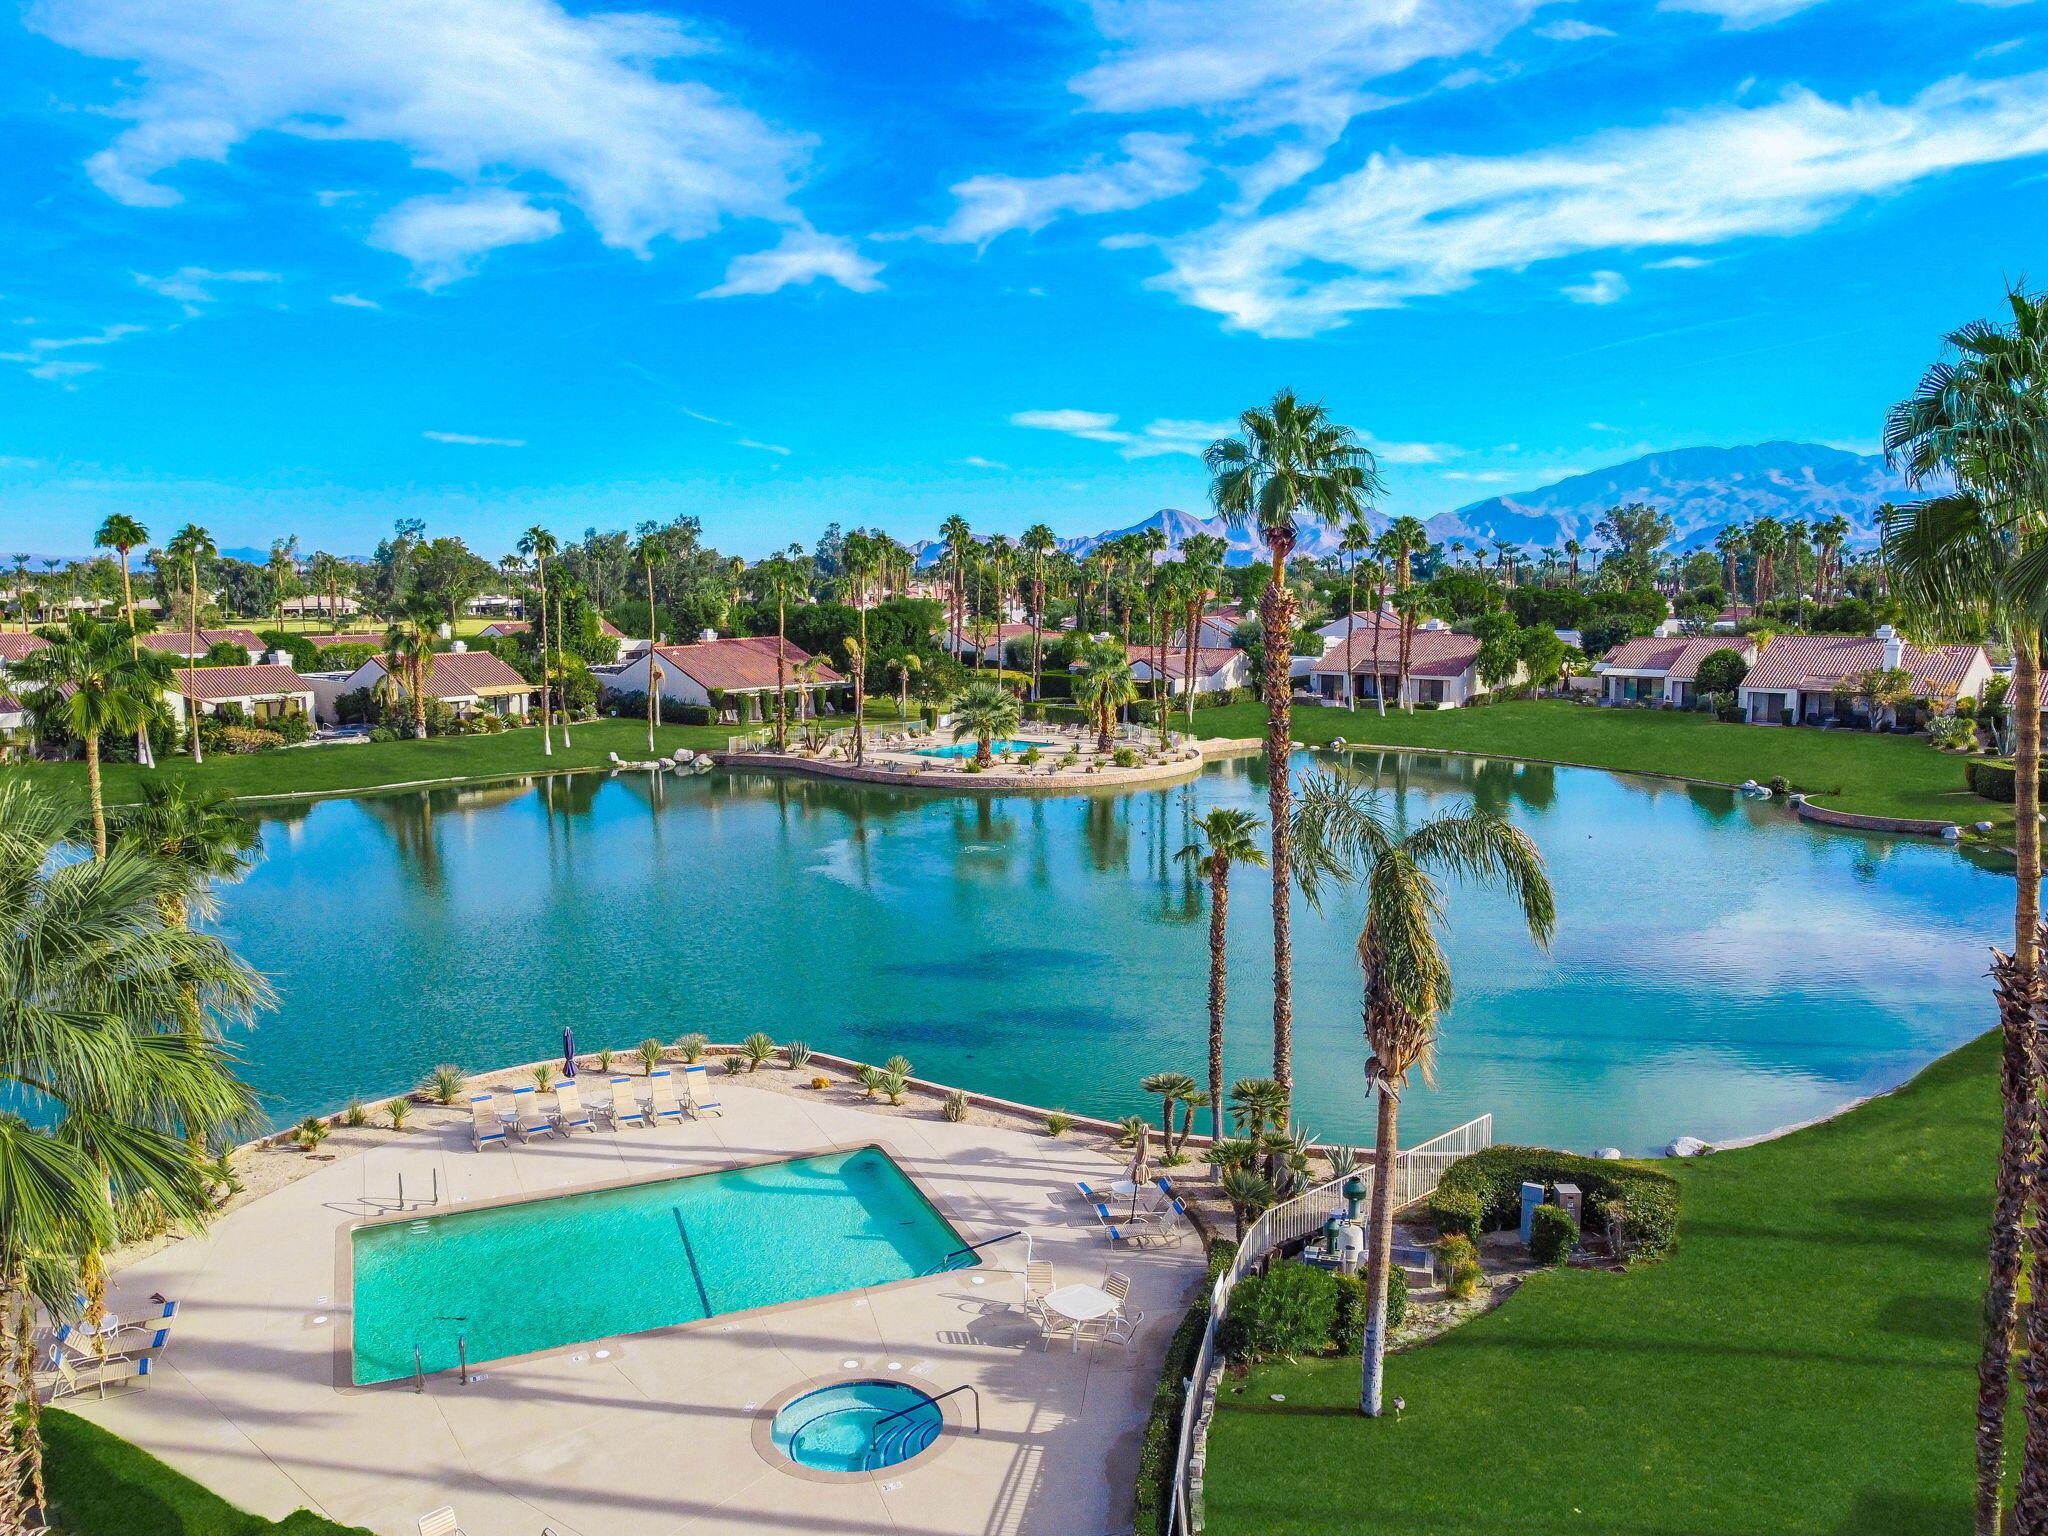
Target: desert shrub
757, 1048
240, 739
1458, 1212
691, 1047
1953, 733
443, 1083
399, 1109
797, 1054
1124, 757
1462, 1279
821, 1081
1347, 1331
1552, 1234
1058, 1123
898, 1064
355, 1116
955, 1108
1289, 1310
893, 1086
735, 1064
650, 1053
870, 1078
1648, 1199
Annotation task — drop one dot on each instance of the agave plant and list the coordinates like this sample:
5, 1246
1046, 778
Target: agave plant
1131, 1127
355, 1116
691, 1047
650, 1053
444, 1083
311, 1131
605, 1058
797, 1054
869, 1078
544, 1076
893, 1086
398, 1109
1343, 1161
757, 1048
898, 1064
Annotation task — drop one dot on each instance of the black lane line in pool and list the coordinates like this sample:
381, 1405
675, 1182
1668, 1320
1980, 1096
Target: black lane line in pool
690, 1258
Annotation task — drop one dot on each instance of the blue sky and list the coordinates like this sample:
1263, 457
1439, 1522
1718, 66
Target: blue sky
306, 266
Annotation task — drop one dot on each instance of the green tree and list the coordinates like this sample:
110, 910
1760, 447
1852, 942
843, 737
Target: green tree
1721, 671
781, 578
1037, 544
1103, 684
652, 553
1292, 460
190, 547
1883, 690
540, 546
985, 711
125, 534
1227, 838
409, 662
91, 679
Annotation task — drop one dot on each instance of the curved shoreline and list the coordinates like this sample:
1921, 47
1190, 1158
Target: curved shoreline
954, 781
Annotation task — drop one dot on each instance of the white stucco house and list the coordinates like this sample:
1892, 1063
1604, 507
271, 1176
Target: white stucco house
1811, 678
468, 682
1217, 669
263, 692
1443, 668
741, 665
1662, 669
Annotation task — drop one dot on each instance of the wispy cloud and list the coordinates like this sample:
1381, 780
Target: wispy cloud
715, 421
1572, 30
1164, 435
353, 301
976, 461
1739, 14
37, 362
1677, 264
803, 256
445, 234
777, 448
1480, 476
193, 287
1401, 228
467, 440
1601, 288
1154, 166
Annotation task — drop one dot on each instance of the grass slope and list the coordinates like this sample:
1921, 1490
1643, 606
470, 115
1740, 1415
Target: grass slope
100, 1485
1804, 1363
1878, 775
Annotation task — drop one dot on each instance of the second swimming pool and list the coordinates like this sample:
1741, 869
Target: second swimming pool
541, 1274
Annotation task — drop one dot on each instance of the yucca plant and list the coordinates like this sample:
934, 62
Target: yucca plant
870, 1078
399, 1109
757, 1048
1131, 1127
955, 1108
691, 1047
444, 1083
1058, 1123
311, 1131
605, 1058
735, 1064
355, 1115
544, 1076
797, 1054
893, 1086
650, 1053
898, 1064
1343, 1161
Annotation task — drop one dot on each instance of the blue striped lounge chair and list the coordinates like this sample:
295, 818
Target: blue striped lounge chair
696, 1090
1116, 1233
661, 1096
115, 1372
570, 1114
485, 1128
527, 1120
626, 1103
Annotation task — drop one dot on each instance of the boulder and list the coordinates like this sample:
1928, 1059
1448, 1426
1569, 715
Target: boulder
1609, 1154
1687, 1146
1980, 826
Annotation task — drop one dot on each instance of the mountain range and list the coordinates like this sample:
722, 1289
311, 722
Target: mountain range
1701, 490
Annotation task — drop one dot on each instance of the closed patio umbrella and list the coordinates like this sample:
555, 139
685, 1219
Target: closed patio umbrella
568, 1053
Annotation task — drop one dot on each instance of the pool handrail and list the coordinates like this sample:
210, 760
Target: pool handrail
965, 1386
946, 1262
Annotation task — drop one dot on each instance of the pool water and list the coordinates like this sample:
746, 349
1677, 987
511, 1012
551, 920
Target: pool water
967, 748
857, 1427
570, 1269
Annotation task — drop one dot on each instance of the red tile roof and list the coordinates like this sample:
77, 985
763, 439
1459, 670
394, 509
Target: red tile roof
1209, 659
742, 663
212, 684
605, 627
1432, 653
1678, 657
178, 641
17, 645
1816, 663
360, 637
467, 675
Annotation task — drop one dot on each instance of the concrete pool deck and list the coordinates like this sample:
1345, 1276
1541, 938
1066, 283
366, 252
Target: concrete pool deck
658, 1437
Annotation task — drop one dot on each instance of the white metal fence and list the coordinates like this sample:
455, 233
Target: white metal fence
1416, 1172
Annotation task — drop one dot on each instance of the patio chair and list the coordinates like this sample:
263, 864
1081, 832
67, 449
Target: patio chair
527, 1120
440, 1522
1038, 1284
626, 1103
661, 1096
71, 1380
696, 1084
570, 1114
1116, 1233
1117, 1328
486, 1129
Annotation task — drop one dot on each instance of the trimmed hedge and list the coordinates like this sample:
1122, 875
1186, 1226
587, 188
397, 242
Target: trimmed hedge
1162, 1425
1495, 1177
1552, 1234
1990, 779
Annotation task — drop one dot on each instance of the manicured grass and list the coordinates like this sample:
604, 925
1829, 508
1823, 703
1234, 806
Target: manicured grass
1878, 775
1804, 1363
100, 1485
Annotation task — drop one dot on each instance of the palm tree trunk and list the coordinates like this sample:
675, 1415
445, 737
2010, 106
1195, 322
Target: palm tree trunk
192, 646
1189, 641
21, 1448
653, 669
1994, 1365
92, 790
860, 690
781, 675
1379, 686
1276, 617
1379, 1251
1219, 963
1038, 630
547, 716
562, 664
142, 752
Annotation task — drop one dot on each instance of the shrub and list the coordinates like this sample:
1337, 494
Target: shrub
544, 1076
797, 1054
1780, 785
443, 1083
1162, 1425
955, 1108
1124, 757
1058, 1123
382, 733
691, 1047
1347, 1331
650, 1053
1953, 733
735, 1065
1990, 779
1289, 1310
757, 1048
1648, 1199
239, 739
1458, 1213
821, 1081
870, 1078
1031, 757
893, 1086
355, 1115
898, 1064
293, 728
605, 1058
398, 1109
1552, 1234
1462, 1279
310, 1132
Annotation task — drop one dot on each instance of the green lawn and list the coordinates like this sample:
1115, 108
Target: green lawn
101, 1485
1879, 775
1804, 1363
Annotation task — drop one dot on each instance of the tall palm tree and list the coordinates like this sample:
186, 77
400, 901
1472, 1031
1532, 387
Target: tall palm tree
1980, 415
1766, 543
325, 573
540, 546
409, 662
562, 593
1407, 976
1103, 684
1201, 554
91, 983
1037, 543
958, 540
1798, 544
188, 546
1230, 838
91, 679
905, 665
1730, 544
862, 560
1291, 461
1830, 534
1355, 545
284, 574
125, 534
985, 711
1409, 537
781, 580
652, 552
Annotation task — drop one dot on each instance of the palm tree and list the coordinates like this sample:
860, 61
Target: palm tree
1292, 460
409, 661
125, 534
958, 539
1829, 534
1171, 1088
1766, 542
1975, 558
1407, 977
782, 579
1103, 684
188, 546
540, 546
1201, 556
1037, 542
325, 573
1730, 544
651, 552
905, 665
985, 711
1409, 537
1230, 835
862, 559
284, 574
1356, 543
91, 679
91, 982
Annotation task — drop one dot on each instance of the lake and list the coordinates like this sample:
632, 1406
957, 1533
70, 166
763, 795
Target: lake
1719, 969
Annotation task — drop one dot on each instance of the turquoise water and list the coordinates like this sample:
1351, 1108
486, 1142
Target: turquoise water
968, 748
854, 1427
1720, 968
546, 1273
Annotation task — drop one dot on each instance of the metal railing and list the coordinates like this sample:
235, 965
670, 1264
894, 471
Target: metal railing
1415, 1172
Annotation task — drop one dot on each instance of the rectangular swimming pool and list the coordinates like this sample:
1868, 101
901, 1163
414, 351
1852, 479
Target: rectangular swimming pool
568, 1269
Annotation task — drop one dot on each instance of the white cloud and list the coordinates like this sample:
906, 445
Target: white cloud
804, 256
353, 301
193, 286
1677, 264
1165, 435
976, 461
98, 338
596, 108
39, 364
1482, 476
444, 234
1736, 14
466, 440
1096, 426
1401, 228
1572, 30
748, 442
1155, 166
1408, 453
1603, 288
700, 416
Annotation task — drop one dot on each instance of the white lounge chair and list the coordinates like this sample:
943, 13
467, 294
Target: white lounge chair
123, 1372
696, 1087
626, 1103
570, 1114
440, 1522
661, 1097
527, 1120
486, 1128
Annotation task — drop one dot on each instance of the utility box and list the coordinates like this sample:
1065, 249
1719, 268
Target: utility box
1574, 1204
1532, 1196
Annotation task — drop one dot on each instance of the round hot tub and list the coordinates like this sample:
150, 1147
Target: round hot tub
856, 1426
